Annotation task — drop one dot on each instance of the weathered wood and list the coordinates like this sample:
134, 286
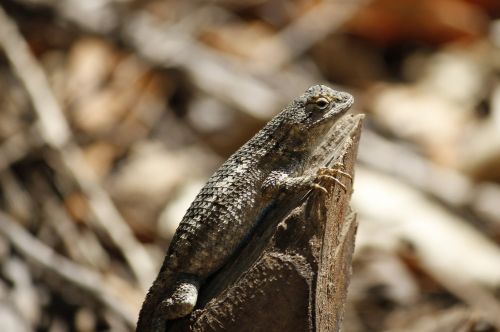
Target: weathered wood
293, 273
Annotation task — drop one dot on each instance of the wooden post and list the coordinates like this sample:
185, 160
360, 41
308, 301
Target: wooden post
293, 273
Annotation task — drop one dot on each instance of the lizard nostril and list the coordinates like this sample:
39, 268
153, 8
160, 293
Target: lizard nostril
347, 98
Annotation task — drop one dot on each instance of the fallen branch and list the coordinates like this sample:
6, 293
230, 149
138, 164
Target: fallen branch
300, 35
463, 260
223, 79
447, 185
64, 270
56, 133
17, 146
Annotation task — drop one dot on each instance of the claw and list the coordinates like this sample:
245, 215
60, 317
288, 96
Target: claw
335, 169
319, 187
332, 178
347, 175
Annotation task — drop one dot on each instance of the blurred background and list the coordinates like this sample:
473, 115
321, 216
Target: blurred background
113, 114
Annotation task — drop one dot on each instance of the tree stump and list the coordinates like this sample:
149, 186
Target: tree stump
293, 273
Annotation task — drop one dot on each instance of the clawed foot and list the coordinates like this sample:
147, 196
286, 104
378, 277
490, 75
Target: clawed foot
331, 174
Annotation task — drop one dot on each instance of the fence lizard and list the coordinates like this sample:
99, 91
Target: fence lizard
227, 208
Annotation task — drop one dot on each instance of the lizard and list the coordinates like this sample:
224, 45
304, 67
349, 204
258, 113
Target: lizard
227, 208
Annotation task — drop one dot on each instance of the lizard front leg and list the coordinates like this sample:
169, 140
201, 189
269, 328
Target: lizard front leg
280, 181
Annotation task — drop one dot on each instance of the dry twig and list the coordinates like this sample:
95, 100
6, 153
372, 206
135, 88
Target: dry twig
461, 258
303, 33
64, 269
56, 133
448, 186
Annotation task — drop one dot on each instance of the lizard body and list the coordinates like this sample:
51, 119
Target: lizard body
227, 208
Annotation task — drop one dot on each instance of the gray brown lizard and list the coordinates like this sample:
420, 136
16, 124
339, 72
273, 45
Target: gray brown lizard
228, 207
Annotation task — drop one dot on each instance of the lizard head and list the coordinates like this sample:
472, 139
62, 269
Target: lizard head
309, 117
302, 125
322, 104
317, 109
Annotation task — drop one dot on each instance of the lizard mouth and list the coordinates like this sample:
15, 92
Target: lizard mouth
345, 101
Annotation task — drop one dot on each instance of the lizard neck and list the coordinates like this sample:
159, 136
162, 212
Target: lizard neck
266, 141
277, 145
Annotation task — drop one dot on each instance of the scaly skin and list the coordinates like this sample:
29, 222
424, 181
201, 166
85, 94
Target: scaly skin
226, 210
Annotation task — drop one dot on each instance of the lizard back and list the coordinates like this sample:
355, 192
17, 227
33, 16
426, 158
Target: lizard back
223, 212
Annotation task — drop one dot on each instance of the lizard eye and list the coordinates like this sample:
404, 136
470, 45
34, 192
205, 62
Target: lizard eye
322, 103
